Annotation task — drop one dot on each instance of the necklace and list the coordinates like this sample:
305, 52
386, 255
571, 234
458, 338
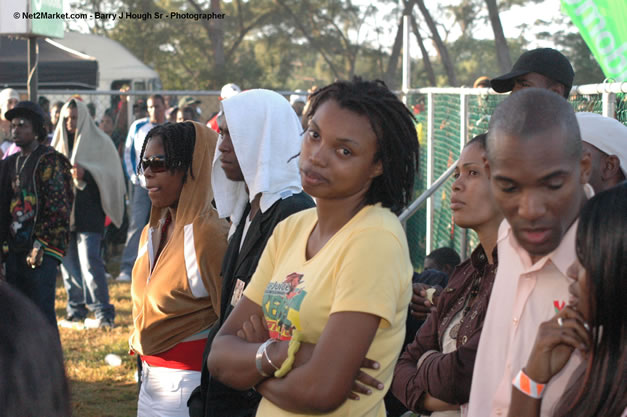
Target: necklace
18, 171
474, 291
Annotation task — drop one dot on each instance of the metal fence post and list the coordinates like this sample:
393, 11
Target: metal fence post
463, 134
609, 104
406, 59
430, 167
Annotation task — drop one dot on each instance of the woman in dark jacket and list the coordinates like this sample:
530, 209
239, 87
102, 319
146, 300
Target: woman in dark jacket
435, 371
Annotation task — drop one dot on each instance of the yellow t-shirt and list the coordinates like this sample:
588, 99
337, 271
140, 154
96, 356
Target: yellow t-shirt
364, 267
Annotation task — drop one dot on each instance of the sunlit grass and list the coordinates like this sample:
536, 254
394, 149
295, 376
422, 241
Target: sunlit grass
100, 390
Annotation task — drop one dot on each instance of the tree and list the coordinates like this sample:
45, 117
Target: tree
390, 73
426, 61
571, 44
439, 44
502, 51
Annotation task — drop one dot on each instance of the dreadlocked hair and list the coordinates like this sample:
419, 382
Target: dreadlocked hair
394, 127
178, 144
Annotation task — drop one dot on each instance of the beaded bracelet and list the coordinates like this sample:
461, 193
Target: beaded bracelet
528, 386
287, 364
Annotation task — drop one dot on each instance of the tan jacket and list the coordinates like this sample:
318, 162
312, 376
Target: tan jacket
181, 296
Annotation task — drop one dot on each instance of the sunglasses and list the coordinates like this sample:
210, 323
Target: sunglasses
156, 164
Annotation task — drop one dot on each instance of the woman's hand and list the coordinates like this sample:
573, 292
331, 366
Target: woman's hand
555, 342
363, 381
254, 330
78, 172
420, 304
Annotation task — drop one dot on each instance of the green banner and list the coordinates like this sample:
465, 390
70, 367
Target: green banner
47, 19
603, 25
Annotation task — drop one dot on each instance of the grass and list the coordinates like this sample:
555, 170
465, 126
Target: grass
97, 389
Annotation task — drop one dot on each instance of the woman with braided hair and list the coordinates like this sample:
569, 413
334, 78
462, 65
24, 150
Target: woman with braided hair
334, 282
176, 277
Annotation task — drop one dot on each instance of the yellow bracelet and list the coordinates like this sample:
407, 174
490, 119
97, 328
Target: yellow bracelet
287, 364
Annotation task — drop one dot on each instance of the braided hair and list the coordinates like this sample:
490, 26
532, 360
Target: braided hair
394, 127
178, 144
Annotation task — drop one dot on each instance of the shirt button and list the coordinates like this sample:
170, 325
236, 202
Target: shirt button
464, 340
515, 321
498, 411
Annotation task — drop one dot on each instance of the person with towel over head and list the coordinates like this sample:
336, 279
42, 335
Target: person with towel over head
99, 191
256, 184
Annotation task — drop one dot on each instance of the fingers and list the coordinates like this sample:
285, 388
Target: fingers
419, 316
419, 288
368, 380
370, 364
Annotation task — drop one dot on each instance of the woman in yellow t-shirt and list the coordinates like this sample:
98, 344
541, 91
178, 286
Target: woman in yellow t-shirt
333, 284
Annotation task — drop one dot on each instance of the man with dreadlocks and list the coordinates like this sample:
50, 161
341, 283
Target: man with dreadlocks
176, 278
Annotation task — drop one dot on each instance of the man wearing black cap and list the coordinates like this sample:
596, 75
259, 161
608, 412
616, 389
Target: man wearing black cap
36, 221
541, 68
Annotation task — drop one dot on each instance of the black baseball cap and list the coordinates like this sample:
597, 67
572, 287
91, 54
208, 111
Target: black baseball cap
28, 109
545, 61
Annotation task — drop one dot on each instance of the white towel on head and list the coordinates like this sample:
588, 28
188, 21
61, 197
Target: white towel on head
266, 133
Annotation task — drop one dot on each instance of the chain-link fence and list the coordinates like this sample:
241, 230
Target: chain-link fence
449, 117
446, 119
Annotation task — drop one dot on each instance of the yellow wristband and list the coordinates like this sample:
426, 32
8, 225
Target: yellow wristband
287, 364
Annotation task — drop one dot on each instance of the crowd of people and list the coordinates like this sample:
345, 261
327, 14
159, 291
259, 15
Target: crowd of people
270, 274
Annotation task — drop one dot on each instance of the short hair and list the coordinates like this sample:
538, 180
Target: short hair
445, 257
57, 104
190, 112
479, 139
43, 101
178, 144
32, 383
532, 111
394, 127
109, 113
155, 97
91, 108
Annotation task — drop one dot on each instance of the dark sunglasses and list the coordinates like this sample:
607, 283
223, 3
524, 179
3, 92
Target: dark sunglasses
155, 163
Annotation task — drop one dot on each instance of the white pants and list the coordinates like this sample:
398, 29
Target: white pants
164, 392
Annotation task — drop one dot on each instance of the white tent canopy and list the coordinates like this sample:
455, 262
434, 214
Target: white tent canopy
115, 62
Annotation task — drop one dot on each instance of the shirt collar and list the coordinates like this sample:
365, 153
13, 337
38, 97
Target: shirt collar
562, 257
479, 259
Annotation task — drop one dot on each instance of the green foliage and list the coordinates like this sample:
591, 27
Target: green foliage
290, 44
571, 44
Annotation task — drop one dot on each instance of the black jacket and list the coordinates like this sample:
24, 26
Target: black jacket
216, 399
88, 213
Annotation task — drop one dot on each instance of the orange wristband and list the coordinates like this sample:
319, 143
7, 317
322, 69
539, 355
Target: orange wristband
528, 386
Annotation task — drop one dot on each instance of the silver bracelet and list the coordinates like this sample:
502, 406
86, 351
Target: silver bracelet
265, 354
259, 356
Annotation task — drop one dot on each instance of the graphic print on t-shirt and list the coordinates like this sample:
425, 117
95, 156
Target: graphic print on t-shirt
281, 306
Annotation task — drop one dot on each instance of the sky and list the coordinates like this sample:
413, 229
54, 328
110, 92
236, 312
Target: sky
380, 28
548, 10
